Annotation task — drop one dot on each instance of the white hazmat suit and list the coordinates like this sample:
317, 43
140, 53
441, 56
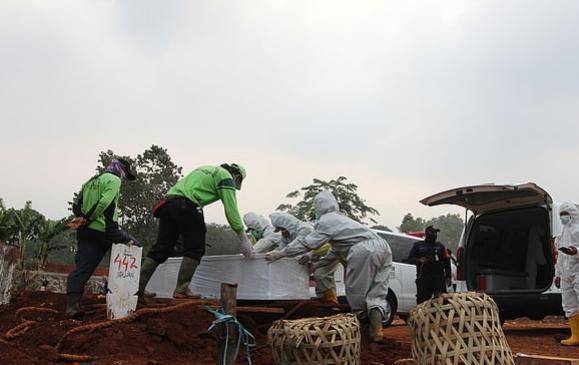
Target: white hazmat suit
567, 269
264, 233
299, 230
369, 259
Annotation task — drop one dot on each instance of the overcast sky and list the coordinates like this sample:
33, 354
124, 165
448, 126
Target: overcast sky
404, 98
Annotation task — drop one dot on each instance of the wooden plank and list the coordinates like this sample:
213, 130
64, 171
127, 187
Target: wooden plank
522, 359
228, 344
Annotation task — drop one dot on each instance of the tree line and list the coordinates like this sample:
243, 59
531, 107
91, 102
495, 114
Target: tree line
42, 240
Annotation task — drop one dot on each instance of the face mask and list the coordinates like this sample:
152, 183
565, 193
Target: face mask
255, 235
565, 219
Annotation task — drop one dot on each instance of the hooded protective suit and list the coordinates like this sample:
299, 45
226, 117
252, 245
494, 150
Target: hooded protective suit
267, 238
298, 230
369, 259
567, 267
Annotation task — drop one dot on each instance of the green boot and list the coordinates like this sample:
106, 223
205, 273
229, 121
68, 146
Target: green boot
375, 318
147, 270
73, 305
188, 267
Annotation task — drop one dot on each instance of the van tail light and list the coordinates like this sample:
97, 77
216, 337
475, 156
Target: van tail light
482, 282
459, 275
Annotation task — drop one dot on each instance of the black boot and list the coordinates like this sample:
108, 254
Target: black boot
73, 305
147, 270
186, 272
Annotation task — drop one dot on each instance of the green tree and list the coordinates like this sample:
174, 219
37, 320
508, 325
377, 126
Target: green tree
3, 222
156, 174
221, 240
346, 193
411, 224
450, 225
32, 233
66, 242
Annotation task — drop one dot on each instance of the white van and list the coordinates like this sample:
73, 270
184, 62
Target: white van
506, 248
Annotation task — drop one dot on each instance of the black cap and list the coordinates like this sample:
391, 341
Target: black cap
131, 175
431, 229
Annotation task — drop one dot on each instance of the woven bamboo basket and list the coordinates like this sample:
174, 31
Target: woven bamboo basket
459, 328
404, 362
316, 341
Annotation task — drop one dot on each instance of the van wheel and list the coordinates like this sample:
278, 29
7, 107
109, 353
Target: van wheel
392, 306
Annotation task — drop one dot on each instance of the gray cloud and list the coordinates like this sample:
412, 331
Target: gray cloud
404, 98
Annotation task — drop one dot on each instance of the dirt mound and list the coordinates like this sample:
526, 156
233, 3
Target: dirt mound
177, 336
156, 338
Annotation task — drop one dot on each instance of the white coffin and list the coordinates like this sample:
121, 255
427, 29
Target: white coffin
257, 279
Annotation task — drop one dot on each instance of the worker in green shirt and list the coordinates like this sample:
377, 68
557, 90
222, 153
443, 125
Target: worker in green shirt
96, 222
181, 214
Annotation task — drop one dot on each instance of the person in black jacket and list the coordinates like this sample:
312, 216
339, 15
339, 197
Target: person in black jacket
433, 273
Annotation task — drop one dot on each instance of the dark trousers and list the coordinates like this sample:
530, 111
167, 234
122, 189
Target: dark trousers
429, 286
179, 217
92, 246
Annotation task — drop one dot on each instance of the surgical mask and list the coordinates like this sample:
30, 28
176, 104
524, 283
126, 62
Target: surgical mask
565, 219
255, 235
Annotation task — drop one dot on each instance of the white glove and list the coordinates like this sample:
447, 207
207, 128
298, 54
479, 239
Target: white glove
274, 256
246, 248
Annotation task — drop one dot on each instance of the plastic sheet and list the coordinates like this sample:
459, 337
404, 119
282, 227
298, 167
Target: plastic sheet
257, 279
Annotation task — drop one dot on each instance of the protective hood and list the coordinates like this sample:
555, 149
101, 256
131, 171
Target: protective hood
570, 208
255, 222
285, 221
325, 203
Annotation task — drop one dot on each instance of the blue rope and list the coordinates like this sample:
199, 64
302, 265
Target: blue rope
244, 336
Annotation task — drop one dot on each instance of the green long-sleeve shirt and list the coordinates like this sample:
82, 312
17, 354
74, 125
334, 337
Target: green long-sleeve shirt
208, 184
99, 198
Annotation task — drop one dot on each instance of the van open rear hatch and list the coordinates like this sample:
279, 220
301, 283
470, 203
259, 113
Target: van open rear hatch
507, 247
484, 198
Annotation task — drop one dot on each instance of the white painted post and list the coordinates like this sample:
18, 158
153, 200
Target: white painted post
123, 282
8, 261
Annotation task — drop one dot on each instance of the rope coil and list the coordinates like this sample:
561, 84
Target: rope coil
244, 336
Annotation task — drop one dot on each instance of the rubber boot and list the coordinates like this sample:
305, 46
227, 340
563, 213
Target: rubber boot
73, 305
375, 318
574, 325
188, 267
329, 296
147, 270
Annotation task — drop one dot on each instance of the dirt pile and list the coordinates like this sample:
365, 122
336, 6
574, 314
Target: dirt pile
165, 333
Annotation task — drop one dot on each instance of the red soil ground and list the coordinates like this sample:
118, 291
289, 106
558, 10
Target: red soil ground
523, 335
178, 337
